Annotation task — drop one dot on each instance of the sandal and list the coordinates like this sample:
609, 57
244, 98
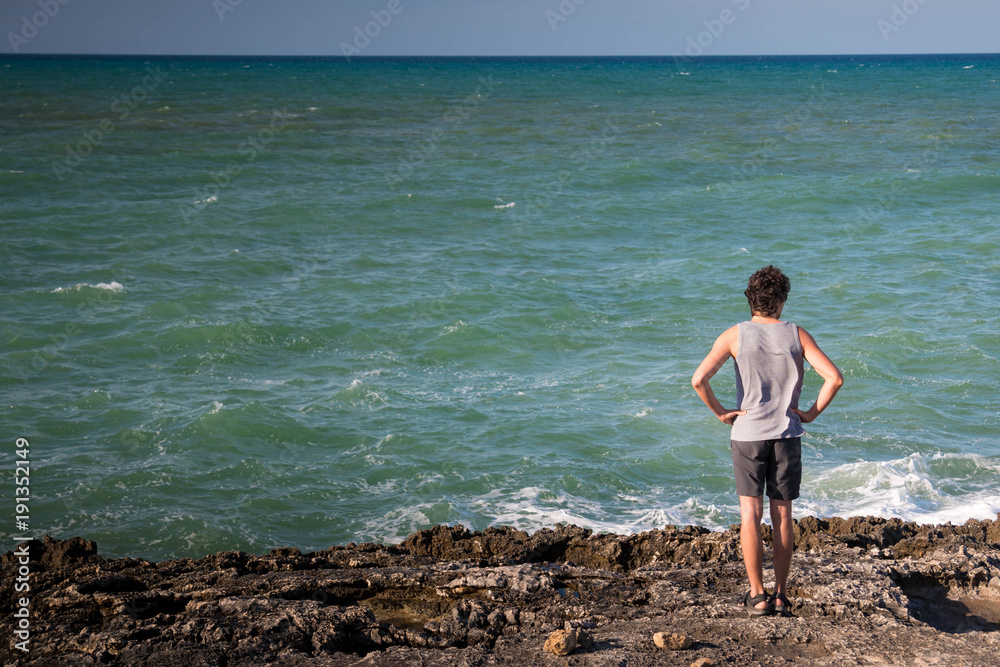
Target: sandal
749, 604
785, 609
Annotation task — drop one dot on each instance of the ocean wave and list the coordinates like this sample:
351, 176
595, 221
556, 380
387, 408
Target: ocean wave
358, 390
452, 328
395, 525
533, 508
924, 488
113, 286
916, 488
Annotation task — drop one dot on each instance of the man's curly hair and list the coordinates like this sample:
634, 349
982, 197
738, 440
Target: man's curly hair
767, 290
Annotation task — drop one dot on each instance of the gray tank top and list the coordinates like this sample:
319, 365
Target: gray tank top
768, 381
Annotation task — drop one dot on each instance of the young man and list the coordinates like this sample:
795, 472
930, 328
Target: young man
767, 425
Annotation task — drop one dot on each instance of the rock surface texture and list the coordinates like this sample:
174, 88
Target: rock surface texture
864, 591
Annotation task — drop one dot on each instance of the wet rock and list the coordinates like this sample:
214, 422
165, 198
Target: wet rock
50, 553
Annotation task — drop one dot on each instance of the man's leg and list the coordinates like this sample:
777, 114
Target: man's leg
784, 542
751, 513
784, 479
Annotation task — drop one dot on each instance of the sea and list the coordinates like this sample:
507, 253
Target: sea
264, 302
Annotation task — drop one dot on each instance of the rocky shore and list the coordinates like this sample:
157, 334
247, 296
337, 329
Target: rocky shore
864, 591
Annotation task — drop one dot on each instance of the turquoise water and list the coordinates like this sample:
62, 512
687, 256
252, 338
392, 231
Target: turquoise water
290, 302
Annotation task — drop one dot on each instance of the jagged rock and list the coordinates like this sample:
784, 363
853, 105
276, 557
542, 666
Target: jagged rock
583, 637
702, 662
862, 589
52, 554
561, 642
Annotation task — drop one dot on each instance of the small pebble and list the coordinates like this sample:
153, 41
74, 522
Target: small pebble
672, 640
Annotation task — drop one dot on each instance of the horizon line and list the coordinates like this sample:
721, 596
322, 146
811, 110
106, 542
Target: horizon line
384, 56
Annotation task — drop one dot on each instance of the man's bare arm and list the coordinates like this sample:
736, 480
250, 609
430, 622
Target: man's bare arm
832, 379
725, 346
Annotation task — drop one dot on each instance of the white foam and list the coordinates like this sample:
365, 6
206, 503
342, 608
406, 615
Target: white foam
533, 508
913, 488
113, 286
216, 406
395, 525
907, 488
210, 200
357, 389
452, 328
266, 383
645, 412
510, 205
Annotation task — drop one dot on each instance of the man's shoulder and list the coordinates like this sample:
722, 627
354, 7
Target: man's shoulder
731, 336
731, 331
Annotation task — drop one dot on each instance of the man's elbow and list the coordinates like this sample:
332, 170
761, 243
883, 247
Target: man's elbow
837, 380
698, 381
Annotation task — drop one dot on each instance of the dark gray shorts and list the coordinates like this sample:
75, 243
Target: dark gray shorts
774, 463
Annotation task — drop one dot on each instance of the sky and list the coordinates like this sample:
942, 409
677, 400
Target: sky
499, 27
